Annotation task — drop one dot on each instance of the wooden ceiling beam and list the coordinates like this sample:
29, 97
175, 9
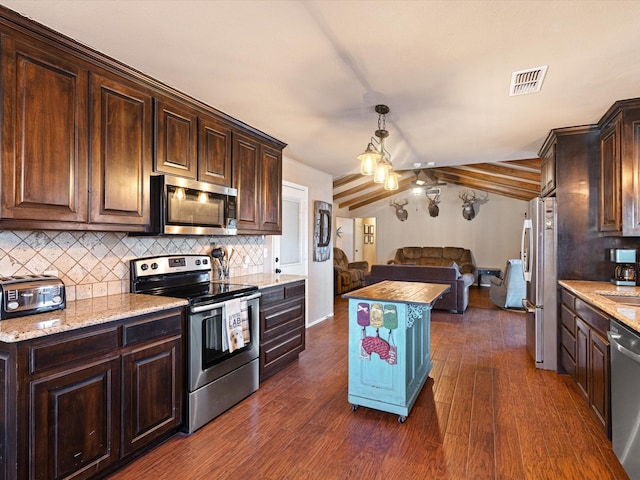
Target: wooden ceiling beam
506, 171
379, 194
532, 163
490, 188
339, 182
510, 182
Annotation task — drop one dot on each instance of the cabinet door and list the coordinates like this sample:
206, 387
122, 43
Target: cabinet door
44, 134
610, 214
246, 179
548, 172
630, 164
599, 394
152, 393
271, 191
121, 153
74, 431
176, 139
582, 356
214, 151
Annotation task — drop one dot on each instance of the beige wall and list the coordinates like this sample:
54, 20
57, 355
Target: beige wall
493, 235
320, 277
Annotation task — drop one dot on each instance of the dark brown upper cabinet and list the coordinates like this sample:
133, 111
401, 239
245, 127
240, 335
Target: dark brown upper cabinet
121, 146
257, 174
44, 134
619, 195
548, 172
176, 139
214, 151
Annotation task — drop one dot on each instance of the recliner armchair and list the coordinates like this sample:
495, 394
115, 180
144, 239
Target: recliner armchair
347, 275
508, 292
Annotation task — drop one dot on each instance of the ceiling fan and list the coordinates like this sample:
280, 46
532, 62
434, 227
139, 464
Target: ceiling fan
419, 186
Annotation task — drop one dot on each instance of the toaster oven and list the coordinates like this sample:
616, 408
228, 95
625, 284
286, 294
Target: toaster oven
30, 294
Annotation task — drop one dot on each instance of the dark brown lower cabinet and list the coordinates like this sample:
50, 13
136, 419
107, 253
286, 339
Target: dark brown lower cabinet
152, 393
74, 418
585, 354
78, 404
282, 326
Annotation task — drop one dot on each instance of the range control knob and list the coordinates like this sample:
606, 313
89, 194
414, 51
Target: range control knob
56, 299
198, 262
205, 261
154, 266
12, 305
144, 267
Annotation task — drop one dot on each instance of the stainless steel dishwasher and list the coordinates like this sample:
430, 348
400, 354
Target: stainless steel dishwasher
625, 395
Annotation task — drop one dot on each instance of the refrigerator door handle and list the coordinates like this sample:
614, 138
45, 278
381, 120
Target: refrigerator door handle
526, 248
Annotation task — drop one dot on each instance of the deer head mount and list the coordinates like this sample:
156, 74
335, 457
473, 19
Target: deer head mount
401, 213
469, 200
433, 200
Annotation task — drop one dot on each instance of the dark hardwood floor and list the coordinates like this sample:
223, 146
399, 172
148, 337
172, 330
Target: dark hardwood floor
485, 413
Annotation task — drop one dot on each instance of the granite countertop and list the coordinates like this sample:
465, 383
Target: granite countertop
264, 280
403, 292
84, 313
592, 292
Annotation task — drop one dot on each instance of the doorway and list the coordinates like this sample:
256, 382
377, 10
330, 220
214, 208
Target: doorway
290, 250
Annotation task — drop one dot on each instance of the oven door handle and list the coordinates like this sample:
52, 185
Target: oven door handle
213, 306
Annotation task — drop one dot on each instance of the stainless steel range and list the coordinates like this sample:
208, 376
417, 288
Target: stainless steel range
222, 325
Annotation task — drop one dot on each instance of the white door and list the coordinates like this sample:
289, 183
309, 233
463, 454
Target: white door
290, 250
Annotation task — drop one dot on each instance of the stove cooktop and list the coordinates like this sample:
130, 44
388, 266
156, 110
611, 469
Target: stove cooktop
183, 276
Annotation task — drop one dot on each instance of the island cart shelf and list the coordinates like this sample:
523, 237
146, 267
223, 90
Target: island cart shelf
389, 344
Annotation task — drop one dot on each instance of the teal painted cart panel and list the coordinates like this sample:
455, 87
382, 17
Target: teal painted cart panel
375, 381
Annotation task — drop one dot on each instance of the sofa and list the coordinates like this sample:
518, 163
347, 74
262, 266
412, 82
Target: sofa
454, 266
436, 257
456, 299
347, 275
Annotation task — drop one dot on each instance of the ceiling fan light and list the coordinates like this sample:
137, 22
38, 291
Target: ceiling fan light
368, 160
417, 191
382, 172
391, 183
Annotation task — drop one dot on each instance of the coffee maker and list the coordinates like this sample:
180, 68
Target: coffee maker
625, 271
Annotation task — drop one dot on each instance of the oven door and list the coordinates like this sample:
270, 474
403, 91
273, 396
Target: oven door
208, 359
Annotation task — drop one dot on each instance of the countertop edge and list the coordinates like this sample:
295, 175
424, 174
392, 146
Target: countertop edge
591, 292
85, 313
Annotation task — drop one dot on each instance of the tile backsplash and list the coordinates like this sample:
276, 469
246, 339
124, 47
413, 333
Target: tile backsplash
95, 264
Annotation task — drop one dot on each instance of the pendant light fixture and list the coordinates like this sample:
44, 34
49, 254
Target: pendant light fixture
375, 160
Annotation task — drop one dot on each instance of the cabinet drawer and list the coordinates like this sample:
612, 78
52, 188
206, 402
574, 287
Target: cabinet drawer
69, 349
569, 300
294, 290
285, 316
568, 319
594, 318
287, 291
280, 351
151, 327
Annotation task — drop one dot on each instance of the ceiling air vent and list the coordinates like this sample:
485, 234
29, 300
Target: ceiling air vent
527, 81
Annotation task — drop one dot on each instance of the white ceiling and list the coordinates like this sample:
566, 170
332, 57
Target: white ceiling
310, 72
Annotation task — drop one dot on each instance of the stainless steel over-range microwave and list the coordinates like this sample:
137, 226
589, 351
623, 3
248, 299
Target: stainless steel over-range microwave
180, 206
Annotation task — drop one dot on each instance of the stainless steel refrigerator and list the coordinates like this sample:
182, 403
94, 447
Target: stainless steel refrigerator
538, 252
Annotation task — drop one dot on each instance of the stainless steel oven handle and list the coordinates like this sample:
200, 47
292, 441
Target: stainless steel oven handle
206, 308
213, 306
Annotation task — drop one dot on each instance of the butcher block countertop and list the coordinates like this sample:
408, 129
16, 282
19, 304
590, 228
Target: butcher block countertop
402, 292
84, 313
592, 292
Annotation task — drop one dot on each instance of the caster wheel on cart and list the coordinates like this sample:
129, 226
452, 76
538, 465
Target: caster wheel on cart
354, 408
402, 419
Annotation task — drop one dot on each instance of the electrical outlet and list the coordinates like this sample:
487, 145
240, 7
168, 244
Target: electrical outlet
53, 273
